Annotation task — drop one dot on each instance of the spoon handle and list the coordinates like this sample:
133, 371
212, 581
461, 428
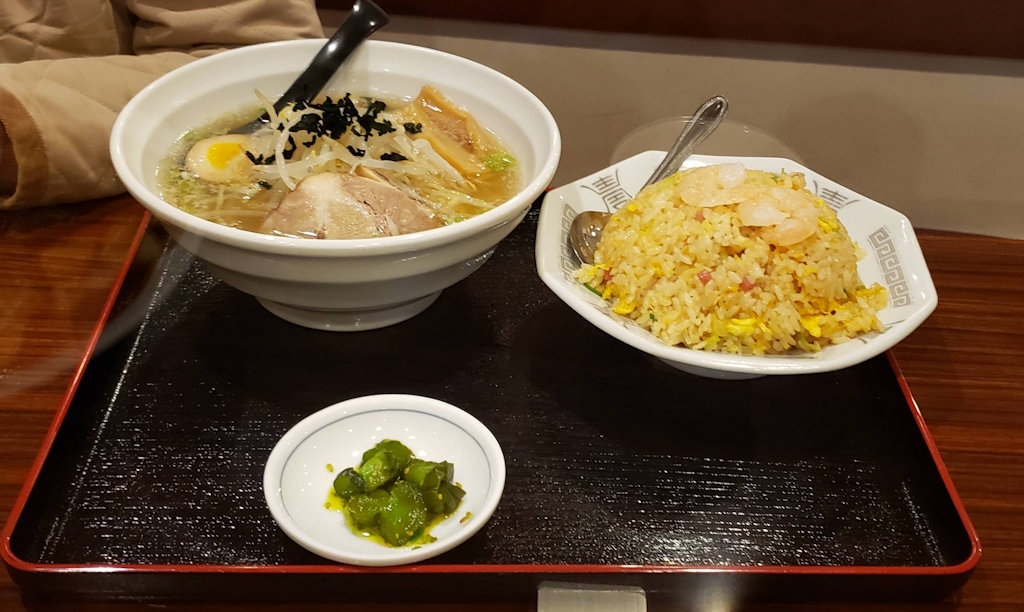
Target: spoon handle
701, 124
364, 19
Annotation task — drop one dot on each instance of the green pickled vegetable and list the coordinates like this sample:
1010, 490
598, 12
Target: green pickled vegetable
348, 483
451, 496
399, 452
379, 467
394, 497
405, 516
434, 480
364, 509
429, 474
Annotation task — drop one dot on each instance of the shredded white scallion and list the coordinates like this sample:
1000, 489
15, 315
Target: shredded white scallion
424, 148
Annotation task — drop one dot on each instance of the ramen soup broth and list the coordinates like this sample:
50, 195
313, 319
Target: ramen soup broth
426, 149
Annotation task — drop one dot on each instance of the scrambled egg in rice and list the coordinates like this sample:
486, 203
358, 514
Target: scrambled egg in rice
729, 259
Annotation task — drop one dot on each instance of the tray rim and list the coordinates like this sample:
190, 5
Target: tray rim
19, 566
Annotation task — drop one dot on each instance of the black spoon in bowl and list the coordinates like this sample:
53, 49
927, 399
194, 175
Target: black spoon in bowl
364, 19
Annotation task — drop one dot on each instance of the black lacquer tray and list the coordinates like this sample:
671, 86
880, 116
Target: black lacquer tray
620, 469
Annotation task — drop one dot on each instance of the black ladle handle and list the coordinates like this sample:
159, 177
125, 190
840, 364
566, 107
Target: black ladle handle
365, 19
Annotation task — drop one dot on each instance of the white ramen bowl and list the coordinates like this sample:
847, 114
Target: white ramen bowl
893, 259
335, 284
296, 480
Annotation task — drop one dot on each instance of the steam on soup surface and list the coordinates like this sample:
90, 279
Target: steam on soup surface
344, 167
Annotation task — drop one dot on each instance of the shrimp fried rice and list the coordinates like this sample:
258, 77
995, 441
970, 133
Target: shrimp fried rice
728, 259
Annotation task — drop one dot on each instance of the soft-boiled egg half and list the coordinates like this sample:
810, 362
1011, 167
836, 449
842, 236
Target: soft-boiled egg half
220, 159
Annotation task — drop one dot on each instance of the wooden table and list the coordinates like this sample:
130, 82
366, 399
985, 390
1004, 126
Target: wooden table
965, 366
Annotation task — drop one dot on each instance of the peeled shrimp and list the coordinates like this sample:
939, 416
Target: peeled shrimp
788, 218
785, 213
723, 185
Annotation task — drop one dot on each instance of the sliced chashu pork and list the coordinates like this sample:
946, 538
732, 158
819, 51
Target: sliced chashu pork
343, 205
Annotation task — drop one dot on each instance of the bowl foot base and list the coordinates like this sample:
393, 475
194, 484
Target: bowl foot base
709, 373
349, 320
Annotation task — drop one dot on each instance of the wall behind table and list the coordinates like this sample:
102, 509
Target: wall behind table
938, 137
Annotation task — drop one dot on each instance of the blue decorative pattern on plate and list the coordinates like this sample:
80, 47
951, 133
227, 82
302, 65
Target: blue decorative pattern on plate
893, 259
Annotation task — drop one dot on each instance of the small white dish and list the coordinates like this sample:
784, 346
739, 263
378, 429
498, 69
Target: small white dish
893, 259
296, 480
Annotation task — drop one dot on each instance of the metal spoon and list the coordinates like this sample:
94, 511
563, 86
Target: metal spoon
364, 19
585, 230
